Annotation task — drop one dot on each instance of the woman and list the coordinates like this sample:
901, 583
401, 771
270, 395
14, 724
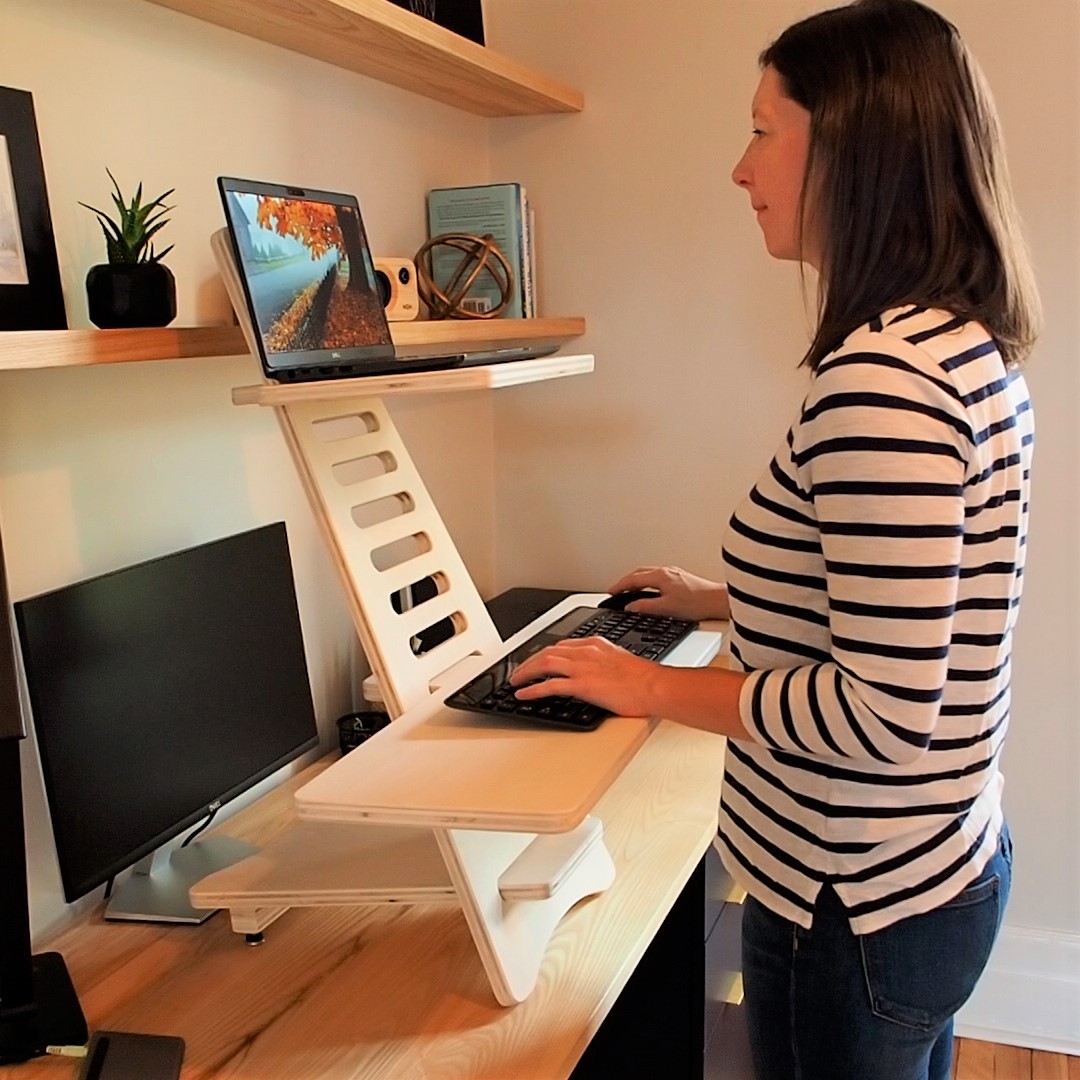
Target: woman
874, 572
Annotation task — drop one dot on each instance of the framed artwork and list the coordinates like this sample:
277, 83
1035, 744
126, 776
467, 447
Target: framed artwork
31, 297
464, 17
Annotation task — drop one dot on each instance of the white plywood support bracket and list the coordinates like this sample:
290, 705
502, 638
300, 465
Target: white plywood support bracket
512, 935
543, 868
253, 920
381, 527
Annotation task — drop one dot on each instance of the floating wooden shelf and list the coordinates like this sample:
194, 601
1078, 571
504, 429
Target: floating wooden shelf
74, 348
379, 39
467, 334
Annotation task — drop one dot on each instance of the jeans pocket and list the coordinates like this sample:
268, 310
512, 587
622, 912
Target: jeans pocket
920, 970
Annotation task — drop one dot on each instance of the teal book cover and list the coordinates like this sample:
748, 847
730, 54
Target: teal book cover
496, 210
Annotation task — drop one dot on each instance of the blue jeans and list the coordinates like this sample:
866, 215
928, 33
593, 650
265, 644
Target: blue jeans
825, 1004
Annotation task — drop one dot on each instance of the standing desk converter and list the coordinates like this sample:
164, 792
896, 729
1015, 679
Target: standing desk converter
444, 806
440, 806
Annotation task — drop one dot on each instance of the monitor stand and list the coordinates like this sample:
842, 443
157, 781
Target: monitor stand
157, 888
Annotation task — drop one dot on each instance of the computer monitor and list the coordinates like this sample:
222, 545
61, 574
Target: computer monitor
159, 692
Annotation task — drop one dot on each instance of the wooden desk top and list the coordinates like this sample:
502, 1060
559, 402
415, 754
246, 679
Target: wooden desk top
397, 992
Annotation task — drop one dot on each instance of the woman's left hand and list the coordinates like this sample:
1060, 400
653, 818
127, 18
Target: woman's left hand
593, 670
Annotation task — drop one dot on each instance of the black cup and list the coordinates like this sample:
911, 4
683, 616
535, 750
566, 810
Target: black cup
355, 727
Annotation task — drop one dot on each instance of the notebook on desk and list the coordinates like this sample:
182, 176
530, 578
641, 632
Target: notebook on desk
305, 268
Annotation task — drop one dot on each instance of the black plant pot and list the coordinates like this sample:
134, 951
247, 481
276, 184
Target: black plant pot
131, 294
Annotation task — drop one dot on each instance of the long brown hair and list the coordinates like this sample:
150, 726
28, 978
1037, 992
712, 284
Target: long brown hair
906, 184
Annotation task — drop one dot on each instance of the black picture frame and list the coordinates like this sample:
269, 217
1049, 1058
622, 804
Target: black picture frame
464, 17
31, 296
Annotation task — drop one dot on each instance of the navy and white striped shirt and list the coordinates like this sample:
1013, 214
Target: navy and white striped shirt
875, 573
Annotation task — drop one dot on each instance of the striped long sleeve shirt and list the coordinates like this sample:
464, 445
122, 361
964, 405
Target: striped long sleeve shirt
875, 573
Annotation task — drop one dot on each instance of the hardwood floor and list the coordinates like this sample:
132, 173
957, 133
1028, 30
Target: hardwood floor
991, 1061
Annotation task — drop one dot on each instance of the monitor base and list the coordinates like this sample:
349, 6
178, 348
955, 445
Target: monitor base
55, 1017
157, 889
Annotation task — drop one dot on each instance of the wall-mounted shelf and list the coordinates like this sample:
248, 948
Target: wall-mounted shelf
468, 334
385, 42
21, 349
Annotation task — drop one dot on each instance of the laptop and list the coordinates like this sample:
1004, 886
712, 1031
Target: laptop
308, 278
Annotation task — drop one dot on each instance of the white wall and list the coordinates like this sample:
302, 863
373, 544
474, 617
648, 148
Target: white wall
102, 467
697, 333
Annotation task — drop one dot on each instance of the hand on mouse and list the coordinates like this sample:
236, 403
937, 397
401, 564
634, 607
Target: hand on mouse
682, 595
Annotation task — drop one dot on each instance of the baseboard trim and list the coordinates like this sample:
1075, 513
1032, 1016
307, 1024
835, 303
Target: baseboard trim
1029, 994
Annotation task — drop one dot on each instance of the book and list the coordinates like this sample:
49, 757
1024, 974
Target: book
528, 258
497, 210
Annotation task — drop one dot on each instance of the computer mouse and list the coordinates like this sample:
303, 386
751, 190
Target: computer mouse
619, 600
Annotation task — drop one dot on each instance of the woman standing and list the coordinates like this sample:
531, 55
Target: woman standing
874, 572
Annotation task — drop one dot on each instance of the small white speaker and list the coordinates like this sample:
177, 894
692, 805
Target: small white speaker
396, 281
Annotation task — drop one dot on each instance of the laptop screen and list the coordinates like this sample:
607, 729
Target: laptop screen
309, 279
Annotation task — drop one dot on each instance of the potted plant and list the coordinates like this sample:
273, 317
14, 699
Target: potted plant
133, 288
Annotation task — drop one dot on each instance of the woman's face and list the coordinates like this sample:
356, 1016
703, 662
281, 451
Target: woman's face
773, 167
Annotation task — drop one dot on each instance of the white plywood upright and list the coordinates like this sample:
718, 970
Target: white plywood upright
384, 535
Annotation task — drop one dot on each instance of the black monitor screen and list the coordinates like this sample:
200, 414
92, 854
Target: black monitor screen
159, 689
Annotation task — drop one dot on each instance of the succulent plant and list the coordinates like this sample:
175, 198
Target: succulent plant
127, 238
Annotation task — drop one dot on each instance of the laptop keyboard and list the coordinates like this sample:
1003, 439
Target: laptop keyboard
649, 636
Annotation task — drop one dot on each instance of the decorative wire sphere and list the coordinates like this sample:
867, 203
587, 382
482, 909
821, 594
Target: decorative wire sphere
479, 256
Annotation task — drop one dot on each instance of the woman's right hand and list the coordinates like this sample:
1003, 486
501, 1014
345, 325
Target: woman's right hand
682, 595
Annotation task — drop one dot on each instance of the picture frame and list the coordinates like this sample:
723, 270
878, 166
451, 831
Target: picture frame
31, 295
464, 17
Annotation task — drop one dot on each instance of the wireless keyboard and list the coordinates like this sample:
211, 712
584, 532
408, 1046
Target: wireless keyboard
650, 636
